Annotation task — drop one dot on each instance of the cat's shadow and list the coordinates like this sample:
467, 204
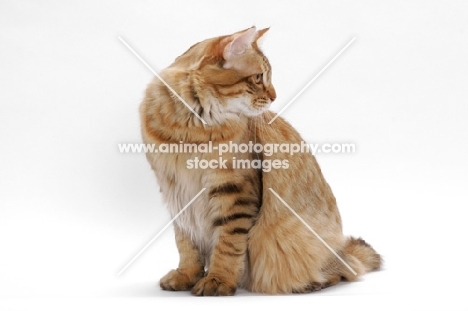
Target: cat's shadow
147, 290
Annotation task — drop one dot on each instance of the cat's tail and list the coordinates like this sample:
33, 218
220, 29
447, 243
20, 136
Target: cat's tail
361, 257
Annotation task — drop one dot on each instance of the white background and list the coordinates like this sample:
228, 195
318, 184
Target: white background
74, 211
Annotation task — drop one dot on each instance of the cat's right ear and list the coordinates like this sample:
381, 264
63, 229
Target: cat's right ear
238, 44
260, 33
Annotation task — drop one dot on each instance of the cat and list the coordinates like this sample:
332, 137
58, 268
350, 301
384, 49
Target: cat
237, 233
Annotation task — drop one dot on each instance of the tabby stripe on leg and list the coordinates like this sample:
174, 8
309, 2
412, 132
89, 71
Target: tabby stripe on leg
246, 201
224, 220
225, 189
239, 231
231, 245
231, 254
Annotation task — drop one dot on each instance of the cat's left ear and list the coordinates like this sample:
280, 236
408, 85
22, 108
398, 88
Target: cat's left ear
239, 43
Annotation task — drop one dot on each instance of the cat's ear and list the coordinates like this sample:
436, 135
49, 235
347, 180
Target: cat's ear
241, 42
260, 33
238, 44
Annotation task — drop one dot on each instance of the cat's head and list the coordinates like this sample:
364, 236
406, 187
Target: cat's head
229, 74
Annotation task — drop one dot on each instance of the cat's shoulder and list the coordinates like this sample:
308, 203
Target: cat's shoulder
278, 131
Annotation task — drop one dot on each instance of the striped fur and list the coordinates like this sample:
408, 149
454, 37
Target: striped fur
236, 233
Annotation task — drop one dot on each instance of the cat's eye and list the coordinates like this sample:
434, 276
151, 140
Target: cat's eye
258, 78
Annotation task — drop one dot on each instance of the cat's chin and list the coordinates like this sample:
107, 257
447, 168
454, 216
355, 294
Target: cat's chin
242, 106
253, 112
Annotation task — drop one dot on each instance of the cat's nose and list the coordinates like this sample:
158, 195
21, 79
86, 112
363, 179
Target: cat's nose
271, 93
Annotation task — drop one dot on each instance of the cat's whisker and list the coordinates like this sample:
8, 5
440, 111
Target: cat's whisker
264, 126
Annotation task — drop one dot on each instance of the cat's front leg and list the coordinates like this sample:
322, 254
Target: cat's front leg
229, 254
191, 265
226, 266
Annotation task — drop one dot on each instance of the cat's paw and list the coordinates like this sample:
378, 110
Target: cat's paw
178, 280
312, 287
213, 286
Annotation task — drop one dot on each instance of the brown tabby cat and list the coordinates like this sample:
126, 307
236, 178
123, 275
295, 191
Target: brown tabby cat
237, 233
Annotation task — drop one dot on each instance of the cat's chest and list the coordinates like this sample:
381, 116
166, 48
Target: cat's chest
180, 185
